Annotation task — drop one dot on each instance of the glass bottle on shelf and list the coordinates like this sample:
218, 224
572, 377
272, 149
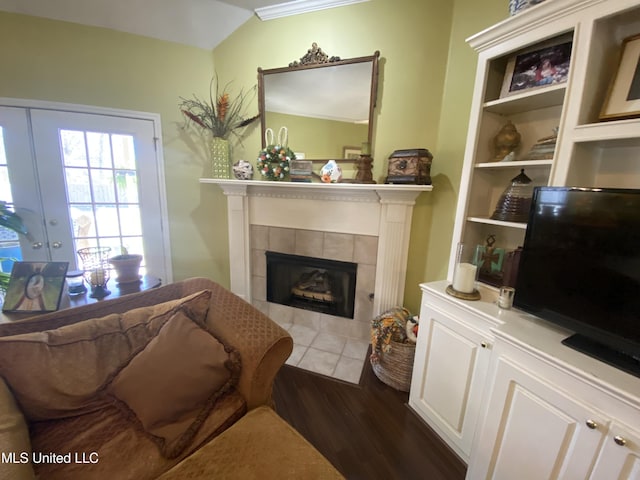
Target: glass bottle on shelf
515, 201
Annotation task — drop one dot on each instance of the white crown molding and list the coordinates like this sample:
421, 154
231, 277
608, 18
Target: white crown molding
298, 7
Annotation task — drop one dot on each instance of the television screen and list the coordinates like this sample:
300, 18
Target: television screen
580, 266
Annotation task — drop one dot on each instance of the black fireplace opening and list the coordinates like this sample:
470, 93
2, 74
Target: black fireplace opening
318, 284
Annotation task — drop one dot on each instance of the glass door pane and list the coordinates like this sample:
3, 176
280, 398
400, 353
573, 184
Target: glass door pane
9, 241
18, 187
92, 185
101, 182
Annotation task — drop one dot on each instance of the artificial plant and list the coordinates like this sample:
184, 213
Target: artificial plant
11, 220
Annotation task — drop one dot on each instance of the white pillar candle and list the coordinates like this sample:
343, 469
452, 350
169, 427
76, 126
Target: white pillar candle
464, 277
97, 276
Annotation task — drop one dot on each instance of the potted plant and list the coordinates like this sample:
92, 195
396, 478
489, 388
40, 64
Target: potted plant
11, 220
127, 266
221, 116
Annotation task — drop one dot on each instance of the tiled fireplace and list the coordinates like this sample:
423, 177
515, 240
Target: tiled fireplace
312, 283
358, 249
367, 225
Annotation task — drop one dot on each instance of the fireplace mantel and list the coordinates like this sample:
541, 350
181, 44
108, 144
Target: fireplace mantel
379, 210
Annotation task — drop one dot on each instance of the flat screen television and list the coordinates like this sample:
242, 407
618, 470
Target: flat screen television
580, 269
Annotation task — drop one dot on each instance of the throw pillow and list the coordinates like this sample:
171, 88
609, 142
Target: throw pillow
170, 387
14, 439
56, 373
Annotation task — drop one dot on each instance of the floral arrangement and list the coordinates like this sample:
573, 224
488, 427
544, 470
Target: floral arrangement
273, 162
387, 327
219, 114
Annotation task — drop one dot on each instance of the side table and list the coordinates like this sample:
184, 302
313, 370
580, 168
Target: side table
117, 290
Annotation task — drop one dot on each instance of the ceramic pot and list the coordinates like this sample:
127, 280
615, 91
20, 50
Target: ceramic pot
243, 170
127, 267
331, 172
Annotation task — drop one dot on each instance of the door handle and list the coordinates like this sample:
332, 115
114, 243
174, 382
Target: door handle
36, 245
56, 244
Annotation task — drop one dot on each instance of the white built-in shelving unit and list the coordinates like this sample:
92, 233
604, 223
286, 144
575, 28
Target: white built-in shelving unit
589, 153
498, 385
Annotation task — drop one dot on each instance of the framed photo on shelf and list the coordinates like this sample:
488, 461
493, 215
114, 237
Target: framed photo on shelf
351, 153
35, 287
546, 65
623, 98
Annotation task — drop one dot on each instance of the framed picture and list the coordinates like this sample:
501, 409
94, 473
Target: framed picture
547, 65
351, 153
35, 287
623, 99
489, 261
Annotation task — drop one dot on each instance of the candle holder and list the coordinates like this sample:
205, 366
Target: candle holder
75, 283
364, 173
465, 275
95, 263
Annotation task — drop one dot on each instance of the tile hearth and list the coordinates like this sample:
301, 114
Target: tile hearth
327, 354
325, 344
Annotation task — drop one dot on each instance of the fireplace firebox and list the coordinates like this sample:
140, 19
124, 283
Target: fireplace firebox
318, 284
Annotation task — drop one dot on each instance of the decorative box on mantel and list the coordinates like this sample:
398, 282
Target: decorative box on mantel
382, 211
410, 167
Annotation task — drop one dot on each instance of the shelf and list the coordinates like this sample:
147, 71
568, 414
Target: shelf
500, 223
620, 132
588, 152
515, 164
530, 100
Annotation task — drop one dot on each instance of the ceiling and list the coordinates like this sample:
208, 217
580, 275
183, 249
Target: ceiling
199, 23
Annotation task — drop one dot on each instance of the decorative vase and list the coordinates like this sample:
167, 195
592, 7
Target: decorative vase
515, 202
506, 142
243, 170
331, 172
220, 157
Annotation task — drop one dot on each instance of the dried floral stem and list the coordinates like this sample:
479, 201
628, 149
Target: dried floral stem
221, 115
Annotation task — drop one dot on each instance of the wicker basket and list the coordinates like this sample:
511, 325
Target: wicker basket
395, 366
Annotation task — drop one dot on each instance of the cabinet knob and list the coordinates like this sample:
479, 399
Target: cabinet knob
620, 440
591, 424
484, 344
56, 244
36, 245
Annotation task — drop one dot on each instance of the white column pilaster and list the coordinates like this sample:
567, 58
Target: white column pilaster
393, 248
239, 241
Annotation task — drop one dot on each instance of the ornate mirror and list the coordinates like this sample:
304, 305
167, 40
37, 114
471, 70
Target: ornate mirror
325, 103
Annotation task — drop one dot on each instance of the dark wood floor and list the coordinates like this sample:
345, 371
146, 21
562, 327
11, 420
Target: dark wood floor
366, 431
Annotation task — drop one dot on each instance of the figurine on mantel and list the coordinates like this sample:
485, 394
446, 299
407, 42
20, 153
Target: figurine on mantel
506, 142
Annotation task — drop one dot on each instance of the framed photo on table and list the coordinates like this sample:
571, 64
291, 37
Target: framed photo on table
623, 98
539, 67
35, 287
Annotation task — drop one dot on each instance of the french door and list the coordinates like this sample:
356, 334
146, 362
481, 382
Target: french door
83, 179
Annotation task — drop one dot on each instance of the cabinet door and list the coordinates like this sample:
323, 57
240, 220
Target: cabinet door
533, 431
619, 458
450, 368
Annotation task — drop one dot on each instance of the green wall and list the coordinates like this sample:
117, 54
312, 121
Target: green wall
65, 62
426, 82
318, 138
434, 215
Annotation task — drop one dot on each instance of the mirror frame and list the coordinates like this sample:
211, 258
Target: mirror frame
323, 63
